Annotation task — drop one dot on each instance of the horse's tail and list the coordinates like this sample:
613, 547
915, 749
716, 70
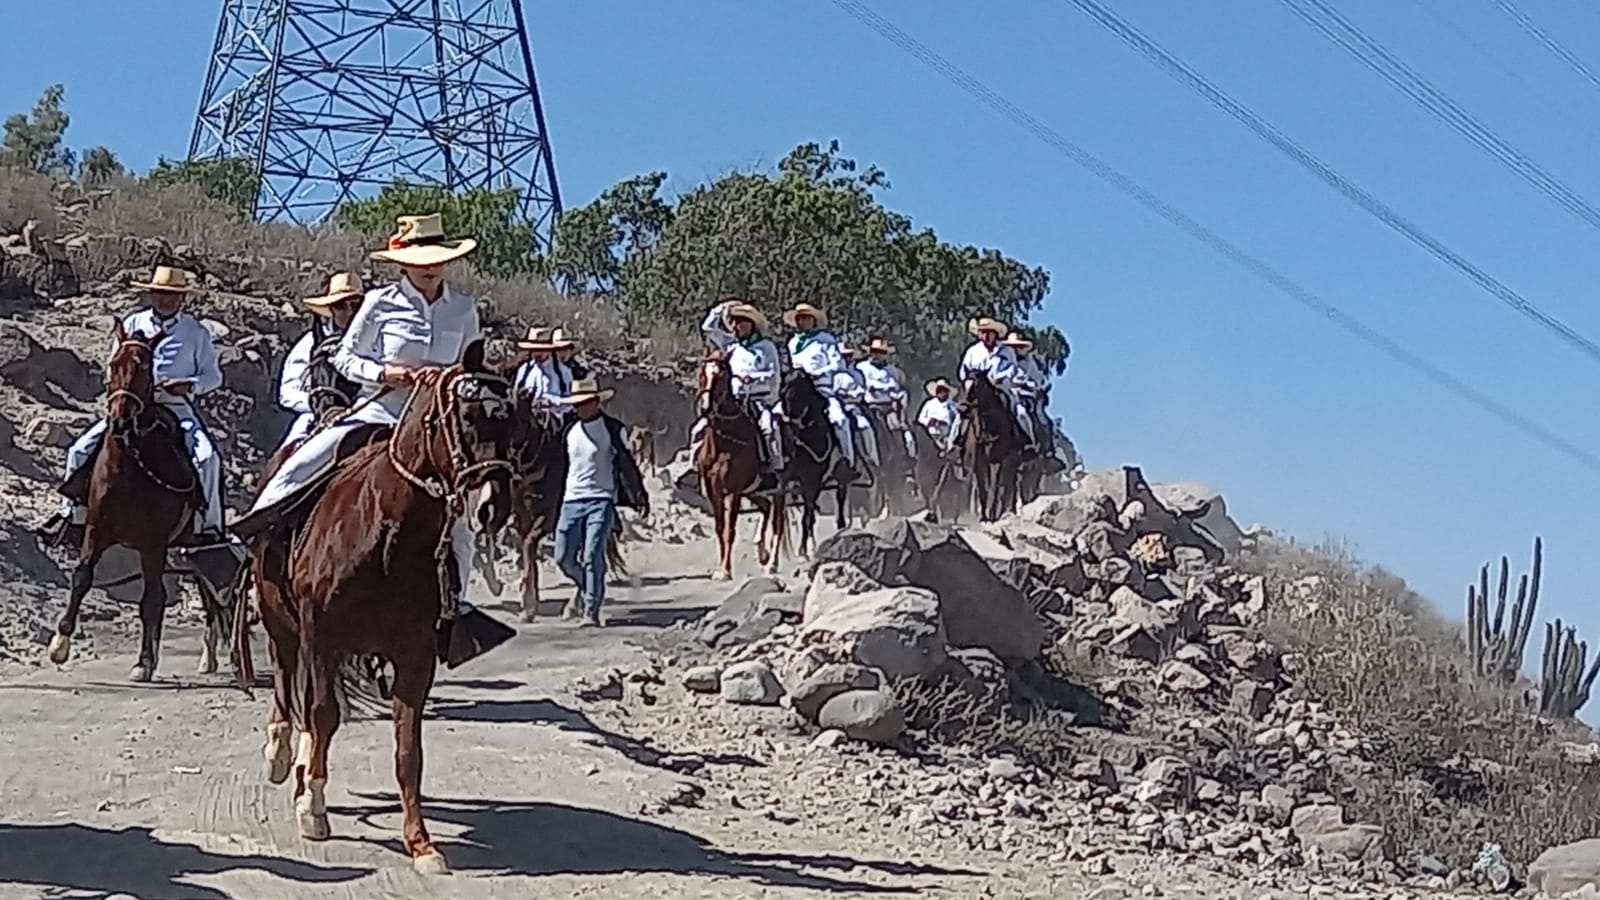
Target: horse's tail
244, 666
779, 519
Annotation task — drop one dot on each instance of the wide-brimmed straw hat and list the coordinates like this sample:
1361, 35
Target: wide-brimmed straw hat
538, 339
586, 389
934, 386
879, 345
805, 309
979, 325
420, 241
560, 339
342, 286
847, 351
748, 313
1016, 340
167, 279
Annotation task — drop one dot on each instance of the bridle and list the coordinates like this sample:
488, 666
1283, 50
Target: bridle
721, 405
805, 418
124, 430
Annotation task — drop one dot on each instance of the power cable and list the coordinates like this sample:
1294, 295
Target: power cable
977, 89
1550, 43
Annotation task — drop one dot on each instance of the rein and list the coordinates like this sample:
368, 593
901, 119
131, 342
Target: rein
721, 398
140, 426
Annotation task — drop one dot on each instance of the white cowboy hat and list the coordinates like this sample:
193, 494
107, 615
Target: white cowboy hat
560, 339
420, 241
879, 345
805, 309
342, 286
846, 351
934, 386
585, 389
538, 339
748, 313
1016, 340
978, 326
167, 279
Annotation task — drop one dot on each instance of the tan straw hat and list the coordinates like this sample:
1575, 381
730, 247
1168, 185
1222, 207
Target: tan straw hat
805, 309
168, 279
934, 386
847, 351
560, 339
342, 286
420, 241
879, 345
979, 325
585, 389
538, 339
1016, 340
748, 313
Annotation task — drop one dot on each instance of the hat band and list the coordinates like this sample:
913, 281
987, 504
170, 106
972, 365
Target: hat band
400, 243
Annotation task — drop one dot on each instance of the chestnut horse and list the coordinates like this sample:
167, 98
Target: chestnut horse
728, 462
364, 566
993, 444
143, 492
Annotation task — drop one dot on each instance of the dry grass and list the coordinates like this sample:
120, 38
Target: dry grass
1460, 761
26, 196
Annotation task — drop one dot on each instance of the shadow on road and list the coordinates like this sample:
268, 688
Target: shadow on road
133, 861
533, 838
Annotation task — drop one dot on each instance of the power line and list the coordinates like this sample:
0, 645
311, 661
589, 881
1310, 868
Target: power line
1102, 170
1550, 43
1219, 98
1404, 79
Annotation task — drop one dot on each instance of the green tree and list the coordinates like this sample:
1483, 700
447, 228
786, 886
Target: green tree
35, 141
229, 180
506, 244
99, 165
596, 247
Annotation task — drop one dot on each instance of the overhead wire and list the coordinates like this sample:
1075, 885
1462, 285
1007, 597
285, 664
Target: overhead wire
1336, 28
1138, 40
1554, 46
1235, 254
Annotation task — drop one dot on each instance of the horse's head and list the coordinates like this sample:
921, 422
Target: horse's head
714, 384
130, 378
462, 418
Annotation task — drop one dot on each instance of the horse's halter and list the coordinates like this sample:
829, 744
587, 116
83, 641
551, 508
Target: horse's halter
715, 372
134, 422
449, 390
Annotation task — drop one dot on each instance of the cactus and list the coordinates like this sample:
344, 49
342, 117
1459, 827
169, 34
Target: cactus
1564, 687
1497, 646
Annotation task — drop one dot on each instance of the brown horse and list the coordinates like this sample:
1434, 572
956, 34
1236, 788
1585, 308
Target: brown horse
142, 494
363, 566
943, 491
993, 445
729, 464
806, 422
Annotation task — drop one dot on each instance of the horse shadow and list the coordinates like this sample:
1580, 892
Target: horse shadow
534, 838
103, 861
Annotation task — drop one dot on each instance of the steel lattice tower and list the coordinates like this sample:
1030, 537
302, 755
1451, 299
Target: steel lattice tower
331, 99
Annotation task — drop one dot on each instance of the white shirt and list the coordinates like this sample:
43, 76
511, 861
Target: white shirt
590, 471
1000, 364
756, 367
186, 354
1030, 378
548, 379
396, 326
292, 393
940, 417
848, 385
820, 358
881, 381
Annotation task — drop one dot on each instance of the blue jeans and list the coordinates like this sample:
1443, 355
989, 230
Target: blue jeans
584, 527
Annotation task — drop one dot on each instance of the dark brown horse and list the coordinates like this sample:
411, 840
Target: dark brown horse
142, 494
993, 444
810, 458
363, 566
729, 464
894, 482
944, 492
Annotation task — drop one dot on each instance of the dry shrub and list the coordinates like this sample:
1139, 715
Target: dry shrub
1458, 761
26, 196
977, 716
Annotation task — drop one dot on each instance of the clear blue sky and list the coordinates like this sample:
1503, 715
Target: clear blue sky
1182, 362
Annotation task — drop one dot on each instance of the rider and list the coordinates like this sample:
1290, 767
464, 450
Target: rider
940, 416
884, 390
990, 357
739, 330
815, 351
536, 376
851, 388
185, 367
331, 316
416, 324
566, 354
1034, 389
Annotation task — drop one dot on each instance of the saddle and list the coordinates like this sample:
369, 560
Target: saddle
76, 486
289, 514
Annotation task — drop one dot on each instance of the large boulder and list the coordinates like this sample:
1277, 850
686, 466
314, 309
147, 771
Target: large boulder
747, 615
1566, 867
1204, 505
895, 630
865, 715
1323, 826
1122, 498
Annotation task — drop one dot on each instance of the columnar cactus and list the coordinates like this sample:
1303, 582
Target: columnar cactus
1495, 645
1564, 688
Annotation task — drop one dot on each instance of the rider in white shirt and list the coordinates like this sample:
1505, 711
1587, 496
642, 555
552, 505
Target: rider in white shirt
850, 386
815, 351
1034, 386
185, 367
739, 330
940, 415
542, 375
333, 312
990, 357
883, 388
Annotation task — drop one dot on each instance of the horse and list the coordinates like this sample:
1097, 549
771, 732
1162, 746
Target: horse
942, 489
993, 444
142, 494
895, 478
807, 428
728, 461
363, 566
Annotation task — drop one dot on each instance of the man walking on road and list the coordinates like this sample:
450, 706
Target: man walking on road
601, 475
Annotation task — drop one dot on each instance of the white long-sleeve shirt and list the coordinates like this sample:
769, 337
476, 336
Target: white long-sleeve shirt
292, 393
755, 365
547, 379
820, 358
1030, 378
187, 353
941, 417
397, 326
848, 386
1000, 364
881, 382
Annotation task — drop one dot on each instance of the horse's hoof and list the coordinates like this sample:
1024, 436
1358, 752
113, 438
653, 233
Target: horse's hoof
141, 673
208, 662
278, 754
313, 826
528, 616
60, 649
430, 863
721, 575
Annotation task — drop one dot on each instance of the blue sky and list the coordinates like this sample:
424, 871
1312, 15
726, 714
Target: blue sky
1182, 362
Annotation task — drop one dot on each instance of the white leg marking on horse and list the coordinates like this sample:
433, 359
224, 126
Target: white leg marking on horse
278, 753
60, 649
430, 864
208, 650
311, 810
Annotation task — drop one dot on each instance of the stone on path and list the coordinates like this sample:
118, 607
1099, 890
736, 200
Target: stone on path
751, 683
871, 716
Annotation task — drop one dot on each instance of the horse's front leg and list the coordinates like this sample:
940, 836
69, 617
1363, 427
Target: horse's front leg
311, 806
82, 579
283, 650
530, 575
152, 612
413, 678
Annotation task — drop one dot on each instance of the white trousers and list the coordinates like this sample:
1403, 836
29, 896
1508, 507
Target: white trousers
201, 451
1020, 410
841, 428
299, 428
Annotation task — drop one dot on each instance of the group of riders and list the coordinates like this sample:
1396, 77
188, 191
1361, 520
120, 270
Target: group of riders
856, 384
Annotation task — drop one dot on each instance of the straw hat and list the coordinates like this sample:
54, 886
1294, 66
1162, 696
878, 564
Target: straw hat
934, 385
848, 352
748, 313
168, 279
1016, 340
805, 309
420, 241
560, 339
585, 389
879, 345
342, 286
978, 326
538, 339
